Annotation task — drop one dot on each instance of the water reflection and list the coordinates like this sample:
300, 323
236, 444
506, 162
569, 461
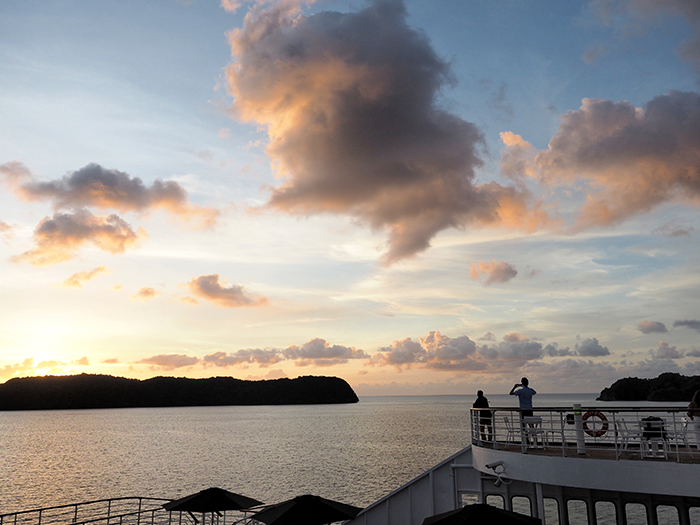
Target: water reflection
358, 451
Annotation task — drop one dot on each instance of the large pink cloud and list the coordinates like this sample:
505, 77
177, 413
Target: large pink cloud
630, 159
349, 102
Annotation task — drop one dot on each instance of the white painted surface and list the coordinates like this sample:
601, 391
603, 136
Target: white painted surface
643, 476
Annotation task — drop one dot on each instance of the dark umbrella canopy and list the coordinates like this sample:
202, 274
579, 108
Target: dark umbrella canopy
306, 510
480, 513
211, 500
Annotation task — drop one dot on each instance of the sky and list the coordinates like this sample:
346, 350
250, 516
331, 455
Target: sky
420, 197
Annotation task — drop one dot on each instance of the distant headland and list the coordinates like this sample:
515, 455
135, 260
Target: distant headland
667, 387
105, 391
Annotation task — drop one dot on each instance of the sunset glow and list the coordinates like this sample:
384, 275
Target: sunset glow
418, 197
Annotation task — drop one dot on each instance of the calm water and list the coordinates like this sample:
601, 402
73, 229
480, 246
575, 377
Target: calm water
353, 453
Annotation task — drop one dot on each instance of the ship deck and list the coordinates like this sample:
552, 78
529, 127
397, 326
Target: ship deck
615, 433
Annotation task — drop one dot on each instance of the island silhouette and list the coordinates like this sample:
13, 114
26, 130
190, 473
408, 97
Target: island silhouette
668, 386
104, 391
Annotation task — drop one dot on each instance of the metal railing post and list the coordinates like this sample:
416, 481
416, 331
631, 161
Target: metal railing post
580, 438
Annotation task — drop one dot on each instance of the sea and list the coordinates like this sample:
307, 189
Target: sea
354, 453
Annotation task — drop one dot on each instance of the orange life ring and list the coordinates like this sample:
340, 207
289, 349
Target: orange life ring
595, 433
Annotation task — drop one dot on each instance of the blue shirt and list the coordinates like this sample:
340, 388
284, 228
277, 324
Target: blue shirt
525, 397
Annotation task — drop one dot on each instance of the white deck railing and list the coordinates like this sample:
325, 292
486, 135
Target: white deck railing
618, 432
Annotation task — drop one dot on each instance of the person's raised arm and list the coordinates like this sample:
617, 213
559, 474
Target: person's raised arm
512, 390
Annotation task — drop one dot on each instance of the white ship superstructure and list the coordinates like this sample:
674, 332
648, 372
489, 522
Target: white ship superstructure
617, 465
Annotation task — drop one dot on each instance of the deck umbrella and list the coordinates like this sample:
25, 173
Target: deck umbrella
481, 513
306, 510
212, 500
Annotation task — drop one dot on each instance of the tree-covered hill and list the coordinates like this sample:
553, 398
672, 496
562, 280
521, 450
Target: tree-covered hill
104, 391
667, 387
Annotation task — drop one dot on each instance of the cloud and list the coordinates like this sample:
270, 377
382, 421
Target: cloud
103, 188
400, 354
514, 337
666, 351
438, 352
446, 353
488, 336
651, 327
208, 287
350, 105
169, 361
553, 350
512, 353
517, 156
77, 279
673, 230
5, 228
14, 173
631, 159
83, 361
694, 324
17, 369
28, 367
231, 5
591, 348
58, 239
146, 293
110, 361
590, 56
498, 99
277, 373
319, 352
575, 373
316, 352
648, 11
189, 300
694, 351
259, 356
495, 271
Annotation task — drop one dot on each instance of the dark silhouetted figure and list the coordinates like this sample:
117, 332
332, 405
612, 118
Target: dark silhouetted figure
485, 417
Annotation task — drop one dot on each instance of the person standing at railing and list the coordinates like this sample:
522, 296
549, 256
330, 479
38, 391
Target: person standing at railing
485, 417
694, 415
524, 393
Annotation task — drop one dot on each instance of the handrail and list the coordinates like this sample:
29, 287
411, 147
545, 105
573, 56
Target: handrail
623, 432
112, 510
90, 502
